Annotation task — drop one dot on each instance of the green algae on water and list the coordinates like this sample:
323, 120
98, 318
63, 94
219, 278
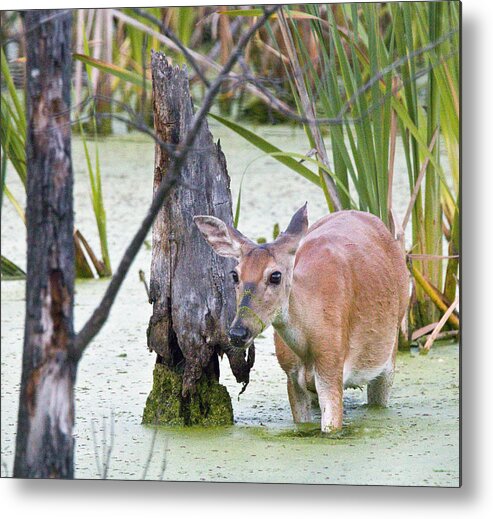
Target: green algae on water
414, 442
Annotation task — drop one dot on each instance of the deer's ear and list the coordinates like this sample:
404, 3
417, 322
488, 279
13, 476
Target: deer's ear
225, 240
295, 231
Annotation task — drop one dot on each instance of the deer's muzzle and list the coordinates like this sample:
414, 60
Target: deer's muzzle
239, 336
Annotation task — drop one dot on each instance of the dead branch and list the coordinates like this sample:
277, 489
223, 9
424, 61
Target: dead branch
434, 335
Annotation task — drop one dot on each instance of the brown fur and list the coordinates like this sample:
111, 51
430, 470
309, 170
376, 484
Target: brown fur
343, 295
348, 297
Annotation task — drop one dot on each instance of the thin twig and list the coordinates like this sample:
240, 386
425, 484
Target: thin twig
79, 48
196, 59
396, 64
441, 323
96, 453
165, 460
256, 87
142, 277
435, 295
424, 330
109, 450
273, 102
143, 98
394, 226
98, 265
103, 448
254, 84
103, 464
151, 452
442, 336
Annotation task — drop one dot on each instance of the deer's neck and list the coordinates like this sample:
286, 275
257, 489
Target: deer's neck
287, 325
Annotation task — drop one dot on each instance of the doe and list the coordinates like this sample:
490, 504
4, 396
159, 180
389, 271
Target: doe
336, 294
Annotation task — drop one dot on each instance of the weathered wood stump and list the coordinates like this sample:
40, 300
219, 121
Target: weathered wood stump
191, 293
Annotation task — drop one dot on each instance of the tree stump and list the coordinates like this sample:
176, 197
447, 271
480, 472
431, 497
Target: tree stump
190, 290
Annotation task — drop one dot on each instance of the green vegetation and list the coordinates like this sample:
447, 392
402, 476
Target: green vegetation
103, 267
13, 138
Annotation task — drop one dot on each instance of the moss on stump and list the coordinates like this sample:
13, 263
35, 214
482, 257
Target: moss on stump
209, 405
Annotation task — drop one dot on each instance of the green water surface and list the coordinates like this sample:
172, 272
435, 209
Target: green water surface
413, 442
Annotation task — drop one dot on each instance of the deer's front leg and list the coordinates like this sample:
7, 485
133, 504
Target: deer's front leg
299, 397
329, 385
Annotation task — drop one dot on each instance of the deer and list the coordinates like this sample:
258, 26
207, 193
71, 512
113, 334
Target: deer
336, 294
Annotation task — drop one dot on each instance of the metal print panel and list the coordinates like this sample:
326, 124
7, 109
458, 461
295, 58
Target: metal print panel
231, 243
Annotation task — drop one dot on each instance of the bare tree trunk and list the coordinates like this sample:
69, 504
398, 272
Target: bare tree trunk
192, 296
44, 443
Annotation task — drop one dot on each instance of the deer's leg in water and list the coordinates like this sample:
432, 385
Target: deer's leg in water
378, 390
299, 397
328, 382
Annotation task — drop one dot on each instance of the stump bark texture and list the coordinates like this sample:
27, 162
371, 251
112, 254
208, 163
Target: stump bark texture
190, 289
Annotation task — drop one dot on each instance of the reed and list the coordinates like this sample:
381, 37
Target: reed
103, 267
13, 138
419, 25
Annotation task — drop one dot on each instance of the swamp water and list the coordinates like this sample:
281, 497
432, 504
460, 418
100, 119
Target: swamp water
413, 442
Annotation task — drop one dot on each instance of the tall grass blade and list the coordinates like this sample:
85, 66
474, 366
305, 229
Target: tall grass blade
114, 70
269, 148
10, 270
97, 199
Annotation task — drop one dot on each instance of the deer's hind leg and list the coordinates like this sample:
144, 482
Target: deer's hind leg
378, 389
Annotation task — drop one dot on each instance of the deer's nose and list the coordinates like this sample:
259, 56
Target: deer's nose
238, 335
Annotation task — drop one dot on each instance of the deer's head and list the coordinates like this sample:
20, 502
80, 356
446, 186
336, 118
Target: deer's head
263, 275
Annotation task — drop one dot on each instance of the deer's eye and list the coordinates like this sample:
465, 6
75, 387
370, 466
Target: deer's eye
235, 277
275, 278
